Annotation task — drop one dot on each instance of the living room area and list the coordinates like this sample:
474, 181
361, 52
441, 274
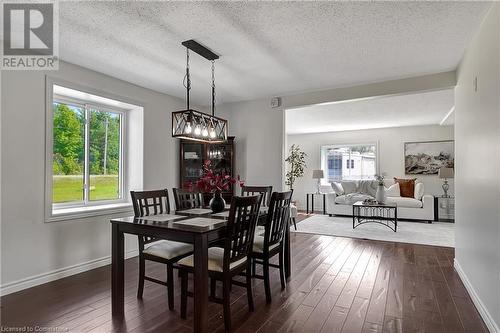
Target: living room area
407, 140
217, 166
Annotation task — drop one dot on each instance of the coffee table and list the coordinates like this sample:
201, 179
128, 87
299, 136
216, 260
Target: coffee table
385, 214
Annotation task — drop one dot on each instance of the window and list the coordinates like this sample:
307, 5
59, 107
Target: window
360, 161
86, 160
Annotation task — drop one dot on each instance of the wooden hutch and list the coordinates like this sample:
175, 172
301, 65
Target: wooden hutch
194, 154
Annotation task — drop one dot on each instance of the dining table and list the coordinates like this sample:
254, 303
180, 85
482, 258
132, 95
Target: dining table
199, 227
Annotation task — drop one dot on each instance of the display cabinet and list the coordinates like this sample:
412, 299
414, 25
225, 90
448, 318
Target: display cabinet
194, 154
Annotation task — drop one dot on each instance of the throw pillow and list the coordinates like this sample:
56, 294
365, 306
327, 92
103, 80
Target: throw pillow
349, 186
367, 187
406, 187
419, 191
337, 188
393, 190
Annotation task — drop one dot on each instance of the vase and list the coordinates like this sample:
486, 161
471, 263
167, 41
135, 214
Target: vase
381, 196
217, 203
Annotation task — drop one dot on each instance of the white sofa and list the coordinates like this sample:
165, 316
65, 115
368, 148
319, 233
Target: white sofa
420, 207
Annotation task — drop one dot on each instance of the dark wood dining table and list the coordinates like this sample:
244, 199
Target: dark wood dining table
178, 228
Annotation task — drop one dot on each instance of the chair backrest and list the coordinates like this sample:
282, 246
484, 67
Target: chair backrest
150, 202
264, 191
185, 199
240, 228
277, 219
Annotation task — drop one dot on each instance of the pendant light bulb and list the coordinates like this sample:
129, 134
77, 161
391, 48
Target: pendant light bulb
197, 130
204, 132
188, 128
212, 133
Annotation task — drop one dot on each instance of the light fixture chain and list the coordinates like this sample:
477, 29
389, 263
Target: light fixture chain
188, 78
213, 88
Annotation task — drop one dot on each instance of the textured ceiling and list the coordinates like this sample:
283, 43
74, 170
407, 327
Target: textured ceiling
266, 48
395, 111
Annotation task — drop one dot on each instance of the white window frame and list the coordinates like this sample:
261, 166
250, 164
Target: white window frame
323, 162
86, 208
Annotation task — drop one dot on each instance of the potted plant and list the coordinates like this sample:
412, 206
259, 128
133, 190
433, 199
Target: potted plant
214, 183
297, 163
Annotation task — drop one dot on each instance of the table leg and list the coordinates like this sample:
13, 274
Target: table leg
288, 254
324, 204
307, 203
117, 271
200, 284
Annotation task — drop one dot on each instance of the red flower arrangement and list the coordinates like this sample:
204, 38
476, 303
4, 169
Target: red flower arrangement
212, 182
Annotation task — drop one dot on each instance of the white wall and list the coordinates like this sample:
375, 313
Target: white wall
259, 141
390, 153
29, 246
477, 135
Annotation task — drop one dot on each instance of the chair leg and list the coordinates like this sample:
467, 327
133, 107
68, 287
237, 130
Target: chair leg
184, 295
294, 223
254, 266
142, 273
267, 285
282, 269
249, 286
212, 287
170, 283
226, 301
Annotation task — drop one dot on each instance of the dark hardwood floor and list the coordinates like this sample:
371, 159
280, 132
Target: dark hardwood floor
337, 285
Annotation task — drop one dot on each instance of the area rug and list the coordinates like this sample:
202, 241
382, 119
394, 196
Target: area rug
437, 233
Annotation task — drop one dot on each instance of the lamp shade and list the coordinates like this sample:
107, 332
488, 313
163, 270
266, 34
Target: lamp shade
318, 174
446, 173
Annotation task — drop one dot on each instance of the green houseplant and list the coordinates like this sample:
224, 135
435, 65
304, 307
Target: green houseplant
297, 163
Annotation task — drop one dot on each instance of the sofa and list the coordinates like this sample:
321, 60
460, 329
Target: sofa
340, 196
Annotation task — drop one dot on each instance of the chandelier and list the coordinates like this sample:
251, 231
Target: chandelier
195, 125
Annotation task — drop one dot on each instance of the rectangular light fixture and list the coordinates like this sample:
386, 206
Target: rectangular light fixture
198, 126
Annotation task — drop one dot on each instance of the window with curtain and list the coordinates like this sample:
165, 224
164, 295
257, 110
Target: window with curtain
349, 162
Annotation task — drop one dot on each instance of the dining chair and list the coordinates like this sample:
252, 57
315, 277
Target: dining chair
224, 263
186, 199
148, 203
273, 241
264, 191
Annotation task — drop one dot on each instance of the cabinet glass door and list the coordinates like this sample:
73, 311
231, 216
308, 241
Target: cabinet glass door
193, 162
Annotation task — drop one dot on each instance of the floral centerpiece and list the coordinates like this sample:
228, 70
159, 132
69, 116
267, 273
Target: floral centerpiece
212, 182
380, 196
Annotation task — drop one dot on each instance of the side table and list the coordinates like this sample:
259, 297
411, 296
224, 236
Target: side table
444, 209
311, 195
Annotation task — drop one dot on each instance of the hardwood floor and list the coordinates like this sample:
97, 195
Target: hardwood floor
337, 285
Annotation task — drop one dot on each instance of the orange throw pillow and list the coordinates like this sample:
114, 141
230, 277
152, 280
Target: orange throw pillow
406, 186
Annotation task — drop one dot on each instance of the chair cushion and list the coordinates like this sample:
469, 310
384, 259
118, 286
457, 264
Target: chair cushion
260, 230
293, 210
405, 202
258, 244
167, 249
215, 260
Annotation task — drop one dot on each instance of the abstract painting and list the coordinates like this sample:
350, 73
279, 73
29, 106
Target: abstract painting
425, 158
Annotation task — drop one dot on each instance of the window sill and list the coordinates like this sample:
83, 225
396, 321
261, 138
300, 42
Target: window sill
84, 212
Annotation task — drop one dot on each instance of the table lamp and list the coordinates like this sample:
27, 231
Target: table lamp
446, 173
318, 174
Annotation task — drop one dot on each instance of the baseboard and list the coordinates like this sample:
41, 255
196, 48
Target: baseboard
488, 319
57, 274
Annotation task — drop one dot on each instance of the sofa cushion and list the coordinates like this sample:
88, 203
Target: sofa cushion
393, 190
337, 188
405, 202
349, 199
419, 191
367, 187
406, 187
349, 186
